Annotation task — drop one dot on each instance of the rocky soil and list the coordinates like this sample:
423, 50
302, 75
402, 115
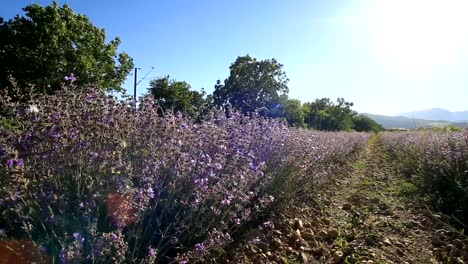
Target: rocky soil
361, 218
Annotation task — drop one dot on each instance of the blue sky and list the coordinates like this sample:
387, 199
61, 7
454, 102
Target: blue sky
386, 56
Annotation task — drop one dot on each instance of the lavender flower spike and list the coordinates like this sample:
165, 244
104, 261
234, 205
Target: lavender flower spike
70, 78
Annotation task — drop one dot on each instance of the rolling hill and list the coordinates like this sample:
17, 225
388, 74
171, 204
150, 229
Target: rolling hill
438, 114
402, 122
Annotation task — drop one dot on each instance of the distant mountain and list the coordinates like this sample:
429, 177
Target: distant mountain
389, 122
438, 114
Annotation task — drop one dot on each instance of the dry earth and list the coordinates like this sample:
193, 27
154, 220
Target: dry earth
361, 218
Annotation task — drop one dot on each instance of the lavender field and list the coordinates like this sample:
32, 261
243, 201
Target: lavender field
89, 178
233, 132
437, 164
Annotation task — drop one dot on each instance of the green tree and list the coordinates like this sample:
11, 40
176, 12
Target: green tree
365, 123
289, 109
252, 85
51, 42
177, 96
293, 112
323, 114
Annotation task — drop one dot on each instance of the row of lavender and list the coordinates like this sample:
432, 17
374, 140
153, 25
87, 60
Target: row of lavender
89, 178
437, 163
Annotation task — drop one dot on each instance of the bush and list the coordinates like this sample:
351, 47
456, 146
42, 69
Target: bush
92, 179
437, 162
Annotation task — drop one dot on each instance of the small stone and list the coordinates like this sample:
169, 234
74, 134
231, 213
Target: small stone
269, 255
425, 222
347, 206
309, 235
458, 243
332, 234
303, 257
338, 256
277, 232
251, 251
276, 243
436, 241
455, 253
323, 234
387, 242
449, 247
297, 234
298, 224
317, 251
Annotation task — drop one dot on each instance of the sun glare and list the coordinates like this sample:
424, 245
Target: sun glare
416, 36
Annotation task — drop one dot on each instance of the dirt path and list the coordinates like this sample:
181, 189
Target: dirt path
359, 219
374, 223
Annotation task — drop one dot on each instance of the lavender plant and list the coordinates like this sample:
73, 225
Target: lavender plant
437, 162
89, 178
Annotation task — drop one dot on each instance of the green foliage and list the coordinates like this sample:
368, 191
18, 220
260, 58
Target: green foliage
51, 42
289, 109
252, 85
365, 123
293, 112
323, 114
449, 128
177, 96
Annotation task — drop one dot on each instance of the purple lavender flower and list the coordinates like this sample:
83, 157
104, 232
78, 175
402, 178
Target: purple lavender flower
10, 163
79, 237
70, 78
152, 252
2, 151
199, 247
114, 237
150, 192
226, 201
63, 256
268, 224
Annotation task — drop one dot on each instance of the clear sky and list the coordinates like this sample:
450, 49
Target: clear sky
386, 56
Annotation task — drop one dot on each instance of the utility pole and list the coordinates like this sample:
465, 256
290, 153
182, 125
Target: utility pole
135, 85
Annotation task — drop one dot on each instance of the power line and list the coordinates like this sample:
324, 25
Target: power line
152, 68
135, 83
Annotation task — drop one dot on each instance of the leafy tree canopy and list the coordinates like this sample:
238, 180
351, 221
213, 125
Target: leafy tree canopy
289, 109
324, 114
365, 123
51, 42
252, 85
177, 96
